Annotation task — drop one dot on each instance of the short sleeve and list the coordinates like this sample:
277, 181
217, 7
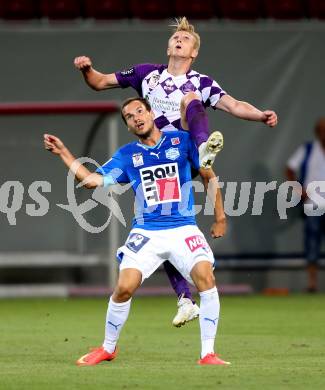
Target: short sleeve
134, 76
296, 159
114, 170
210, 90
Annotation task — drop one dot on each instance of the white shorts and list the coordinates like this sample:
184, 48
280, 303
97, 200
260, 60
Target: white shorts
146, 250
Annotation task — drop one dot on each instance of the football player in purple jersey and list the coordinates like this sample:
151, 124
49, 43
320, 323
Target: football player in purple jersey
179, 95
162, 184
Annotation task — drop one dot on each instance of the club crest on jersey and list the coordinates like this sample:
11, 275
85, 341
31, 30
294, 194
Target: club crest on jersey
160, 184
175, 141
137, 159
187, 87
172, 153
153, 81
169, 85
196, 242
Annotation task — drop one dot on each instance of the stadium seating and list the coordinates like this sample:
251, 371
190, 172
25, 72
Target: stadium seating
106, 9
60, 9
316, 9
284, 9
151, 9
158, 9
239, 9
19, 9
195, 9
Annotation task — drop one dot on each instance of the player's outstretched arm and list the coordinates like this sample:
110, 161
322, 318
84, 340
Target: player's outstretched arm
56, 146
96, 80
210, 181
246, 111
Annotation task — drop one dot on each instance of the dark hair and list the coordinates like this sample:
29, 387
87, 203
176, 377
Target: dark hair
135, 99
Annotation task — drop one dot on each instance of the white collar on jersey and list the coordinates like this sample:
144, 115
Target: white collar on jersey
157, 146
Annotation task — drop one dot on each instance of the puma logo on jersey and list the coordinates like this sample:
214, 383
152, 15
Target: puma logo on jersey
155, 154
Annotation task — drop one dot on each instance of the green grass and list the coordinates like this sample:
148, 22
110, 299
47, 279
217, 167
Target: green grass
272, 342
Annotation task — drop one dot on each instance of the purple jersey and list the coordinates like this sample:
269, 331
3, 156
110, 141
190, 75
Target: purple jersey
165, 91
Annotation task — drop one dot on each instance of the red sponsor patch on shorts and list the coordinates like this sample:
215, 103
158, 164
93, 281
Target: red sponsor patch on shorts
196, 242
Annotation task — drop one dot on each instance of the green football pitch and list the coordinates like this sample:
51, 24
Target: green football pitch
272, 343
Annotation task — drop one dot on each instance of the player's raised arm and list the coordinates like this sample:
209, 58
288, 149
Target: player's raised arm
246, 111
210, 181
96, 80
56, 146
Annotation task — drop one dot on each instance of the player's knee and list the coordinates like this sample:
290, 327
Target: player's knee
209, 280
204, 280
123, 292
187, 99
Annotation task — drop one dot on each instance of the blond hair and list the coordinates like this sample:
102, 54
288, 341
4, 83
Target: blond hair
182, 24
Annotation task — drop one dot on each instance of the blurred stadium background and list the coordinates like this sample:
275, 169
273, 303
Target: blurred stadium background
270, 53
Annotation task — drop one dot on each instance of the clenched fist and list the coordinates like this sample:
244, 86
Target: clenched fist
83, 63
218, 229
270, 118
53, 144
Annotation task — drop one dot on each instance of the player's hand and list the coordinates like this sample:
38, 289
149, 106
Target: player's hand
270, 118
83, 63
218, 229
53, 144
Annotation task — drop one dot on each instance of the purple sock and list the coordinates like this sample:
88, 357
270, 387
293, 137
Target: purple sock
177, 281
197, 120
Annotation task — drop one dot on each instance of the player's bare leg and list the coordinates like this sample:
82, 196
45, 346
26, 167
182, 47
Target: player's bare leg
203, 278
